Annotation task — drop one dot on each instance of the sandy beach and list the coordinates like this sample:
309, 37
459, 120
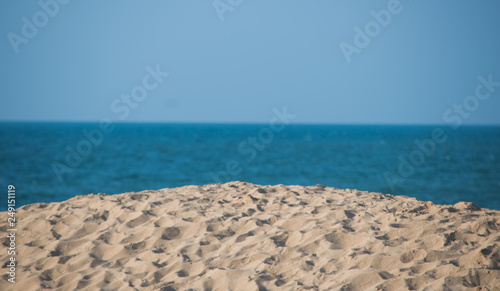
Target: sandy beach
241, 236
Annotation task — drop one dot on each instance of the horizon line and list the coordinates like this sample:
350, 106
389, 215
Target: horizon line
247, 123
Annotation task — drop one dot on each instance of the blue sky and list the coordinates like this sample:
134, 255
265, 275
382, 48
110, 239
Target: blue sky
261, 55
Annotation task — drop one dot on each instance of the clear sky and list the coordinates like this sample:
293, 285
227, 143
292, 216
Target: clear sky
237, 63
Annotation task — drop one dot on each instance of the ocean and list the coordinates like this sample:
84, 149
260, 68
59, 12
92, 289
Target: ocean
49, 162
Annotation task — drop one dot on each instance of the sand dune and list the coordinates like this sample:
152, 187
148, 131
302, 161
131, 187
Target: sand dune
240, 236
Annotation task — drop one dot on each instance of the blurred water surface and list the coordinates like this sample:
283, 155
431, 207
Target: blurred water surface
141, 156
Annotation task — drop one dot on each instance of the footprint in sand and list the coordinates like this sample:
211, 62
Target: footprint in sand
138, 221
280, 240
170, 233
242, 237
339, 240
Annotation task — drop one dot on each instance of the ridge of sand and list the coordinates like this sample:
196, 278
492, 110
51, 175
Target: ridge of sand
241, 236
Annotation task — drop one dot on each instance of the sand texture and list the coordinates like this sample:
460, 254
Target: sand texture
241, 236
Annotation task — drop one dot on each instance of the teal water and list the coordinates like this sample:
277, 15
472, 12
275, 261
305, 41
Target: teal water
56, 161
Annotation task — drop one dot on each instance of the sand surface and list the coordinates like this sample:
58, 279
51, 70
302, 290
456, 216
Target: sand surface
240, 236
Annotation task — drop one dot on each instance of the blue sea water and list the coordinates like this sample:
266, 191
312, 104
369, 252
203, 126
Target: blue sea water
134, 157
